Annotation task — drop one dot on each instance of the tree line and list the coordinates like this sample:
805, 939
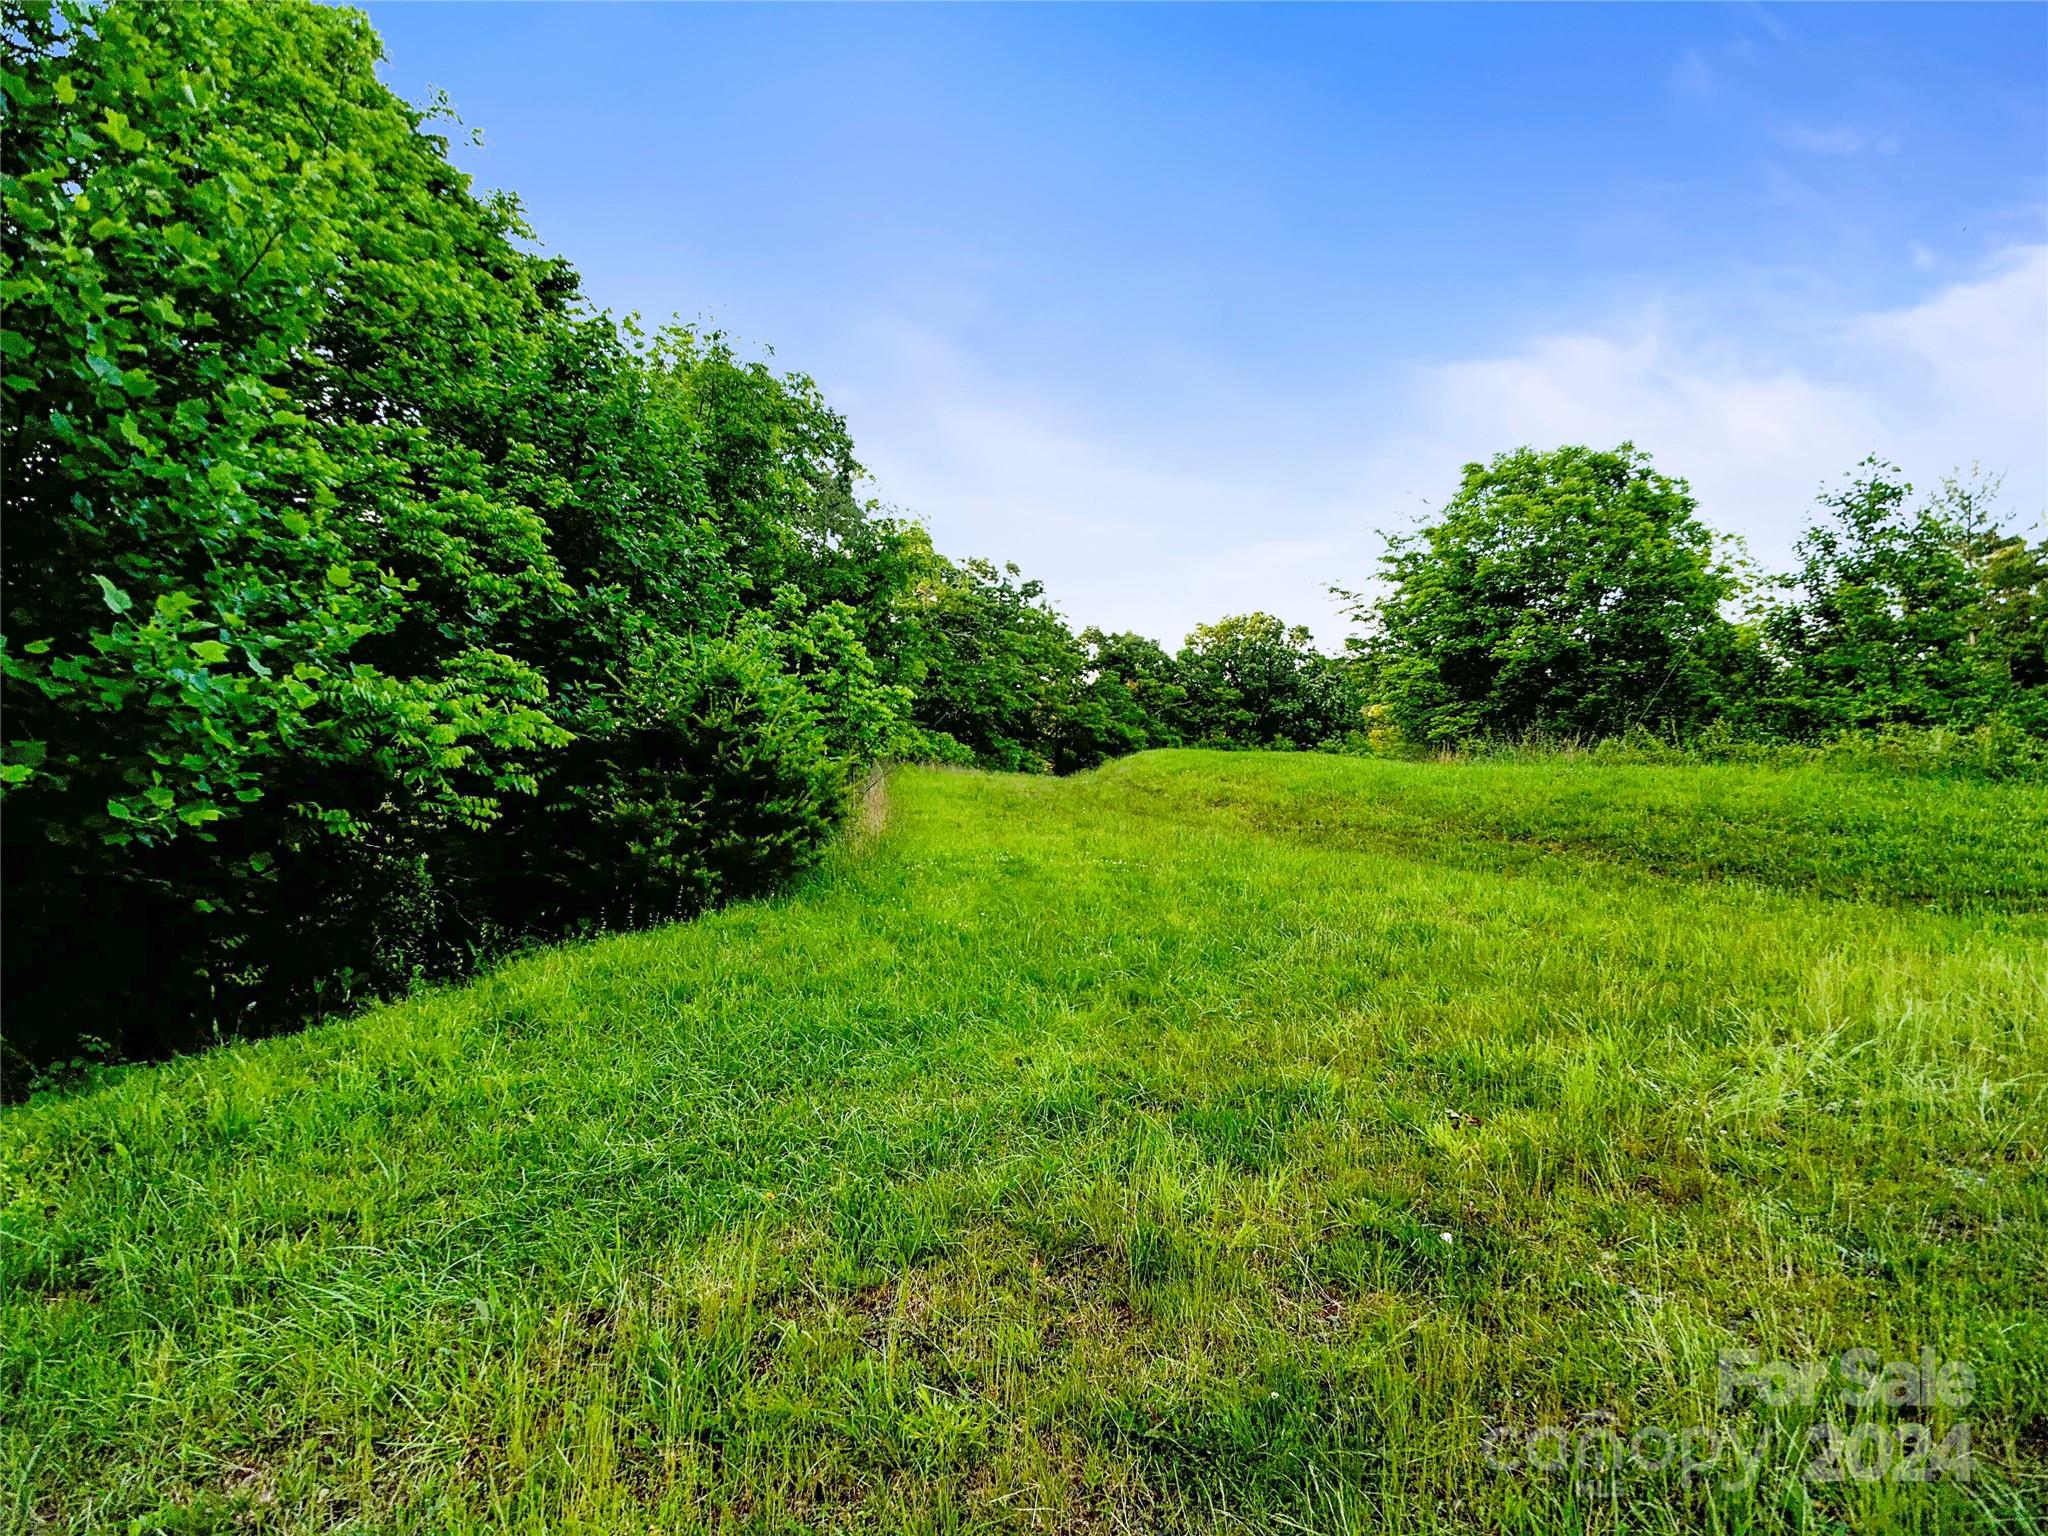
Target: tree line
373, 604
1575, 596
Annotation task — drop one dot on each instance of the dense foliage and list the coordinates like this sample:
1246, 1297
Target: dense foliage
372, 603
369, 602
1572, 591
1576, 594
998, 674
1908, 614
1251, 680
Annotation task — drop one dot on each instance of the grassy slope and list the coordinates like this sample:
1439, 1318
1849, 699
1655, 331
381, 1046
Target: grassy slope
1078, 1155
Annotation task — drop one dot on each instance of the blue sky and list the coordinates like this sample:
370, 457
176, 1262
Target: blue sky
1180, 306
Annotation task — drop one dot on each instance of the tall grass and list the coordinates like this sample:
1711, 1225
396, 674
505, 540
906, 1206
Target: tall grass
1214, 1141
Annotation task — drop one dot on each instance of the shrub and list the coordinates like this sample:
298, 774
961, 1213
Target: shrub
714, 779
1252, 681
265, 612
1907, 614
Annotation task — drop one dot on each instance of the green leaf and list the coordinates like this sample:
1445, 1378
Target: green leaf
115, 126
115, 599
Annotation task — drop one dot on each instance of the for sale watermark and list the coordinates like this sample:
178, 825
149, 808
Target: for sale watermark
1856, 1378
1858, 1417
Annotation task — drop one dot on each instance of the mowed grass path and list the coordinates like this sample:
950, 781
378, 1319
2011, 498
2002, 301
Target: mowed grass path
1208, 1142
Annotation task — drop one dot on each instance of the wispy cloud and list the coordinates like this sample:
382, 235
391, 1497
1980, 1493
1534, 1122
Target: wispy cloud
1836, 139
1972, 358
1692, 75
1767, 21
1157, 532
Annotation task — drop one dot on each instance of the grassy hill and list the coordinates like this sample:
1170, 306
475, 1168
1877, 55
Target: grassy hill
1210, 1141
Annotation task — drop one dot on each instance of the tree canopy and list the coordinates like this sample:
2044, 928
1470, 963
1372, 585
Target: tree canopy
1908, 613
370, 601
1573, 592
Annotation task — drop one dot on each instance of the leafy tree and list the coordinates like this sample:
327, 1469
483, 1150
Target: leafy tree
1908, 614
1252, 681
1571, 592
2012, 625
671, 482
1136, 690
264, 593
998, 674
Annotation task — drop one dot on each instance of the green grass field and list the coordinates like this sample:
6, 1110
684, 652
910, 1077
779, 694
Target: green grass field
1214, 1142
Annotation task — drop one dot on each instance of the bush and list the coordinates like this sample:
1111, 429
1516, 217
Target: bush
265, 618
715, 780
1252, 681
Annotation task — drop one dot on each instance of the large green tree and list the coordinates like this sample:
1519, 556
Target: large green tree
1905, 612
1572, 592
265, 589
1136, 689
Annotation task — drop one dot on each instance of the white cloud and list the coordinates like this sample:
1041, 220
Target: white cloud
1835, 139
1975, 353
1961, 377
1159, 529
1154, 535
1692, 76
1753, 438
